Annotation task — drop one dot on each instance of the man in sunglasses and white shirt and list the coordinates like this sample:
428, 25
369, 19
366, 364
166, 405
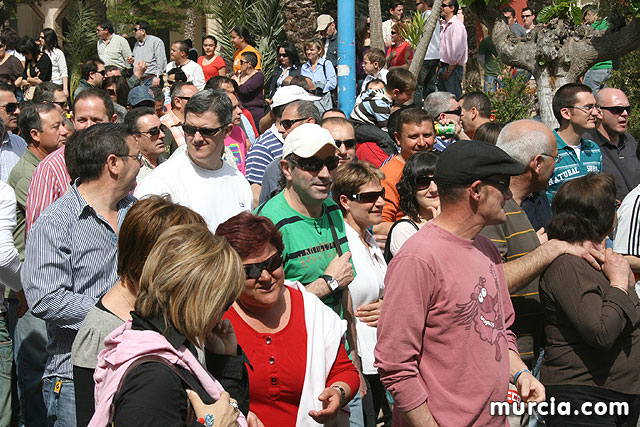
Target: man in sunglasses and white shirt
13, 146
618, 147
198, 177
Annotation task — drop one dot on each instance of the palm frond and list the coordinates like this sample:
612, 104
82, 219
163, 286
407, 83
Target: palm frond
80, 40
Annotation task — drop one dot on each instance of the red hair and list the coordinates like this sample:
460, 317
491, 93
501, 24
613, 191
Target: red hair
249, 234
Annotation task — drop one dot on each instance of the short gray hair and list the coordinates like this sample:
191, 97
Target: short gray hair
214, 101
307, 109
437, 103
522, 146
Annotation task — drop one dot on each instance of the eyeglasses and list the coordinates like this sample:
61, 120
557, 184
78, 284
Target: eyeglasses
586, 108
526, 16
556, 158
283, 55
61, 104
2, 46
418, 3
11, 107
423, 182
616, 109
153, 131
102, 72
242, 61
111, 91
502, 184
186, 98
457, 111
315, 164
348, 143
368, 197
271, 264
447, 5
41, 37
617, 203
138, 156
393, 32
205, 132
99, 29
286, 124
136, 29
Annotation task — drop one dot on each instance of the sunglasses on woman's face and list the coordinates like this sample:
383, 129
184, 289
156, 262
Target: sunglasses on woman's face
315, 164
111, 91
283, 55
368, 197
271, 264
423, 183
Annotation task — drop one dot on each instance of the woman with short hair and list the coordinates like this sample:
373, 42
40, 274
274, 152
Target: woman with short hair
250, 85
321, 73
592, 350
301, 373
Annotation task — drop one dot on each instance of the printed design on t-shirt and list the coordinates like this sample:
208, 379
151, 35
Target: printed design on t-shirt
484, 311
237, 154
318, 253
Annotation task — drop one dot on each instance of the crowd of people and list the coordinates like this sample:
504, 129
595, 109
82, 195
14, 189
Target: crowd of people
184, 243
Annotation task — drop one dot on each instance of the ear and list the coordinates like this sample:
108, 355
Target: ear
396, 92
228, 129
344, 202
113, 163
565, 113
474, 113
475, 190
286, 171
397, 137
114, 118
536, 163
35, 134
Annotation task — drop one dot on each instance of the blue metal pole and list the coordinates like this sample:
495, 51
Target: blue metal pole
346, 55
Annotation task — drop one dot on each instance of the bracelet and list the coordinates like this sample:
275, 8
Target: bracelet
343, 394
520, 372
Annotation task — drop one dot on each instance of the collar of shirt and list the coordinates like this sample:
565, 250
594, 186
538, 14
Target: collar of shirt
158, 324
602, 141
274, 130
83, 206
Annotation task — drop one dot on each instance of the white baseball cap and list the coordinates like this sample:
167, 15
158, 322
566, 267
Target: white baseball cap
287, 94
306, 140
323, 22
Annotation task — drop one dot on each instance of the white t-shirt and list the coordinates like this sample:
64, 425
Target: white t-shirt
367, 286
192, 70
216, 195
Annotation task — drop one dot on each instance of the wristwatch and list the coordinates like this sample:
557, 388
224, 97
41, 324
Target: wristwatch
333, 283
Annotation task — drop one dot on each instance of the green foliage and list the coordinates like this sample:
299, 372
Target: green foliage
263, 19
515, 100
565, 9
159, 14
626, 77
80, 40
414, 29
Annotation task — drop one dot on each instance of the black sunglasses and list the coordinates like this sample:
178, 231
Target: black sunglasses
617, 109
102, 72
11, 107
502, 184
205, 132
423, 183
286, 124
348, 143
315, 164
368, 197
61, 104
111, 91
271, 264
283, 55
457, 111
393, 32
153, 131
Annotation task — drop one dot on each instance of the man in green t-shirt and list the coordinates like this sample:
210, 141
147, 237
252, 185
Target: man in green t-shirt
487, 55
315, 245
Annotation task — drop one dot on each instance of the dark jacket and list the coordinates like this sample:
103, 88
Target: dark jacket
277, 72
332, 51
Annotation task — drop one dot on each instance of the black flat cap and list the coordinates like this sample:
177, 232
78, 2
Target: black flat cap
467, 161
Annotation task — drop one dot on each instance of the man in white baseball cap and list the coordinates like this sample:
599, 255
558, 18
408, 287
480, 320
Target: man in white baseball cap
268, 147
326, 26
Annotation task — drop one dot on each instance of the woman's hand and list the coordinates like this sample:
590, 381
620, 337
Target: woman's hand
616, 268
253, 420
369, 313
330, 398
224, 414
222, 339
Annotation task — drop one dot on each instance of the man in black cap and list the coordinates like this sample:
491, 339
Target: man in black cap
446, 296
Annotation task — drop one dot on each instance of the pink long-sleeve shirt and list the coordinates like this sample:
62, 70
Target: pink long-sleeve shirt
443, 332
453, 43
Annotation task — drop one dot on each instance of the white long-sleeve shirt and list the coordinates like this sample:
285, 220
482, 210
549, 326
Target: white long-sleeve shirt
9, 258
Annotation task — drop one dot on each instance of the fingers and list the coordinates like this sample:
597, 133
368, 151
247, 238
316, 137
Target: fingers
196, 402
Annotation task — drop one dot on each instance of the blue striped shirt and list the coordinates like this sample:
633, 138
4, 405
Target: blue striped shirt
266, 149
70, 262
570, 167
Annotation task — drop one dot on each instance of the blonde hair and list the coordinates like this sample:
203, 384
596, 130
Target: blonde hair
190, 278
317, 43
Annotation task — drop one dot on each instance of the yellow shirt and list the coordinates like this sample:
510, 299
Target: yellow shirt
236, 57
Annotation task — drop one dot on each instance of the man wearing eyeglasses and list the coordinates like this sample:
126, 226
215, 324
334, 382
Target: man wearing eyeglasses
13, 146
446, 111
145, 128
181, 92
344, 136
576, 110
71, 253
112, 48
92, 75
453, 50
198, 177
619, 148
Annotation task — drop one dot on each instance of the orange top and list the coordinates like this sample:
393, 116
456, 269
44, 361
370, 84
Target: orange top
236, 57
392, 173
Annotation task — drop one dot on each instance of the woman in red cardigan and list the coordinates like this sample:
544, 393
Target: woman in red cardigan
280, 326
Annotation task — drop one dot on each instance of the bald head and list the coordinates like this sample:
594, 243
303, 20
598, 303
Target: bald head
614, 120
525, 139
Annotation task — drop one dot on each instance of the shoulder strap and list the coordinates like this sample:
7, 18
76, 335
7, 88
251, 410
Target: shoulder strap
388, 256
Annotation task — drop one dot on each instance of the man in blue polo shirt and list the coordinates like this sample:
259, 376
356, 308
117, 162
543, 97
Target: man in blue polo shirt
575, 109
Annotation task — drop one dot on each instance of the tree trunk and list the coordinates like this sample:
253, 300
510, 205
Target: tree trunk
299, 22
375, 14
425, 39
190, 23
472, 69
547, 85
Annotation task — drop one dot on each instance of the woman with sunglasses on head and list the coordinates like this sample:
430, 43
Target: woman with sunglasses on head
212, 64
418, 200
149, 373
289, 65
301, 372
49, 45
11, 68
321, 72
37, 68
141, 228
250, 85
360, 195
400, 54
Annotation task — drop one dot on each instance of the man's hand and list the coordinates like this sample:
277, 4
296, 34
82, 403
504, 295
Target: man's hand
587, 251
130, 59
140, 68
542, 235
530, 389
341, 269
330, 398
447, 73
22, 303
369, 313
156, 82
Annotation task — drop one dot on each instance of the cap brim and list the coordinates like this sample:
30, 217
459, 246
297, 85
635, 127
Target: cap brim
309, 150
